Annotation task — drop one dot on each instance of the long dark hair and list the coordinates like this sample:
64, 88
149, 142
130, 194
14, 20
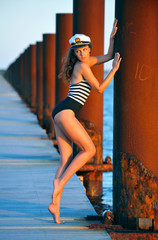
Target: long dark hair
68, 65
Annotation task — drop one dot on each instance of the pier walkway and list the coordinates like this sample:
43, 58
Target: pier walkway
28, 161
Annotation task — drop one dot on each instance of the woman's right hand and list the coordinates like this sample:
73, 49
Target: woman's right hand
116, 61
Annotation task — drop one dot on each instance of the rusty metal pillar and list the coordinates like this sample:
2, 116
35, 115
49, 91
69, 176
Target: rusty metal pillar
88, 18
48, 82
136, 113
13, 74
23, 79
63, 34
26, 76
16, 77
9, 73
21, 73
39, 81
32, 77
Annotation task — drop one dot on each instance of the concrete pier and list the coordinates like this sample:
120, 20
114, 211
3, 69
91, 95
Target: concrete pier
28, 162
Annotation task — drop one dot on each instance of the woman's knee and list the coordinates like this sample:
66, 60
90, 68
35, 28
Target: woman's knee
92, 150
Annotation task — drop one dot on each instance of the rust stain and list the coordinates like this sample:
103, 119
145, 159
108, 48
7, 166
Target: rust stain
139, 189
131, 236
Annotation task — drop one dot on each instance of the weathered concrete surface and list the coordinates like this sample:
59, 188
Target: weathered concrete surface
28, 162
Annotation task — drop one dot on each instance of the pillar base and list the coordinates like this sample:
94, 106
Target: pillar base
93, 183
135, 191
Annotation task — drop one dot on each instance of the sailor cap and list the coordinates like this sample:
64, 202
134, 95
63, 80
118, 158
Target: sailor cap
79, 40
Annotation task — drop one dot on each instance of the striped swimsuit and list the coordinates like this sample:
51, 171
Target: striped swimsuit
79, 91
77, 96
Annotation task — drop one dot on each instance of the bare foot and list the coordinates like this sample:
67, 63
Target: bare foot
55, 213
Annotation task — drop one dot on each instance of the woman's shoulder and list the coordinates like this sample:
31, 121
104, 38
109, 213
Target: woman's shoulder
79, 66
82, 65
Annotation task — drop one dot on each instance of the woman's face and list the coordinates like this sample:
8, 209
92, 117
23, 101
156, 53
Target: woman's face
83, 53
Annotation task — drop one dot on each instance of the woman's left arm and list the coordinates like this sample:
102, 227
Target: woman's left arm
109, 55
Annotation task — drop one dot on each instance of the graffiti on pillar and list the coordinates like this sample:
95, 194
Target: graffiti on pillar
128, 26
143, 72
128, 30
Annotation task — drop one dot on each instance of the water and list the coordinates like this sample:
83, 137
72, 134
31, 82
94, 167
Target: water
108, 121
106, 200
108, 143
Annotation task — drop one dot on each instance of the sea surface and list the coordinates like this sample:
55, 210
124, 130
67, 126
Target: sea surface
105, 202
108, 141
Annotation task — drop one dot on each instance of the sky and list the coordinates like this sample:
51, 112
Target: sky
23, 22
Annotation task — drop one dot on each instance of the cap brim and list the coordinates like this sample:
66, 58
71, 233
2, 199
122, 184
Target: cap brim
79, 46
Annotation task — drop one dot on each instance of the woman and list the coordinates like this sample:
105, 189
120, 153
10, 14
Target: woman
68, 129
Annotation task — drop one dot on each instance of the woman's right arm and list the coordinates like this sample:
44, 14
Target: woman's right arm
107, 57
100, 87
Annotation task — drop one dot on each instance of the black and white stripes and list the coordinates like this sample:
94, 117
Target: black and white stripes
79, 91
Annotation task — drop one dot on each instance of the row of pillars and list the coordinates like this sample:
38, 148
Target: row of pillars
135, 152
35, 76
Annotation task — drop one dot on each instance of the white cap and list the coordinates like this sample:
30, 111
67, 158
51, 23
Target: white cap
79, 40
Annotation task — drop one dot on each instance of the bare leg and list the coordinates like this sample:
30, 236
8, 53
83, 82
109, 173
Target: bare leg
65, 148
73, 130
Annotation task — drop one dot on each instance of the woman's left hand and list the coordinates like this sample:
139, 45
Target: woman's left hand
114, 30
116, 62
